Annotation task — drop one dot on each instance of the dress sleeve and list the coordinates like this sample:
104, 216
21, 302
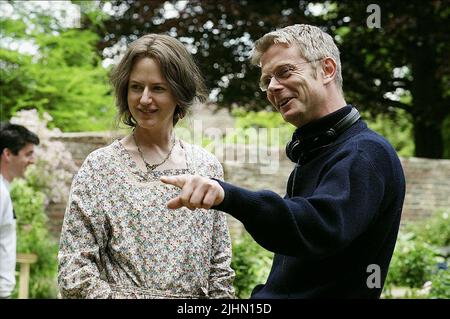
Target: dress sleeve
221, 274
83, 240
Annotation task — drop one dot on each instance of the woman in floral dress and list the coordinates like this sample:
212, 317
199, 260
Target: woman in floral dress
119, 240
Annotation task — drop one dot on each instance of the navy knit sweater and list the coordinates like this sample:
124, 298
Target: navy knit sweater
340, 216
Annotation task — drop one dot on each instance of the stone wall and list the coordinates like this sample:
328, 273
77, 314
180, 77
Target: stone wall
427, 181
427, 187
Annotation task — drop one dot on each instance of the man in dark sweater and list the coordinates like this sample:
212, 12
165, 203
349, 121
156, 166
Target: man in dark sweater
334, 232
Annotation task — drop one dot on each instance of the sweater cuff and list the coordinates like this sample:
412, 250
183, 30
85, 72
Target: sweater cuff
239, 202
226, 204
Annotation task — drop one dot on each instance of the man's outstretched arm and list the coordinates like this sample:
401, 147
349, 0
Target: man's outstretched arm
344, 203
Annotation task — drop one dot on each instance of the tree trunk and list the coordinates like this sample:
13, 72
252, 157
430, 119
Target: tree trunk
428, 111
428, 139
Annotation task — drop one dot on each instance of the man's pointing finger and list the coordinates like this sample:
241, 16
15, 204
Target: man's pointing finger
177, 181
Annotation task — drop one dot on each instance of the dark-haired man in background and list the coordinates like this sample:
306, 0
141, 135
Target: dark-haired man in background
16, 153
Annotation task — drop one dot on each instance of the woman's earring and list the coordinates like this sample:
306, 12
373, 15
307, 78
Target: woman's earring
179, 112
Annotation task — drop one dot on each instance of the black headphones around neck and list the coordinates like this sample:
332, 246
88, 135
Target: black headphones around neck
298, 153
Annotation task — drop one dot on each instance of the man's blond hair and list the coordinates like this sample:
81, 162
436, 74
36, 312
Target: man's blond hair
313, 43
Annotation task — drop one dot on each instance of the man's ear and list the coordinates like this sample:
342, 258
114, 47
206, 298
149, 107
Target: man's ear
328, 70
6, 154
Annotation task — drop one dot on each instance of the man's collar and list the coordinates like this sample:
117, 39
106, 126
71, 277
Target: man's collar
4, 181
322, 124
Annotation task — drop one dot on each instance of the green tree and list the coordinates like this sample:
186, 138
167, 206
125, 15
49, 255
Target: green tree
65, 76
406, 56
401, 65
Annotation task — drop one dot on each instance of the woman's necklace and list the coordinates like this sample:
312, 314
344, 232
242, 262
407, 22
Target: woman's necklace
151, 167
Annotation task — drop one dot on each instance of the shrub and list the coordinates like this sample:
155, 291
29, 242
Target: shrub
440, 284
33, 237
412, 262
396, 128
245, 121
434, 230
251, 263
418, 261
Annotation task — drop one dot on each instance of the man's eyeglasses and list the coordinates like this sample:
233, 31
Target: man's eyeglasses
281, 73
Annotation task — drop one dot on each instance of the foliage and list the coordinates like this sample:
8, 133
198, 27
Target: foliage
401, 65
64, 77
54, 168
418, 262
397, 129
33, 237
434, 230
251, 263
440, 284
265, 119
272, 121
412, 262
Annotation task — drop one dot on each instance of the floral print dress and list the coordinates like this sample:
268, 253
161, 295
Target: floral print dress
119, 240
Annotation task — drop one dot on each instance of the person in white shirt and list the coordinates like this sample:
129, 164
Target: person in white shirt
16, 153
